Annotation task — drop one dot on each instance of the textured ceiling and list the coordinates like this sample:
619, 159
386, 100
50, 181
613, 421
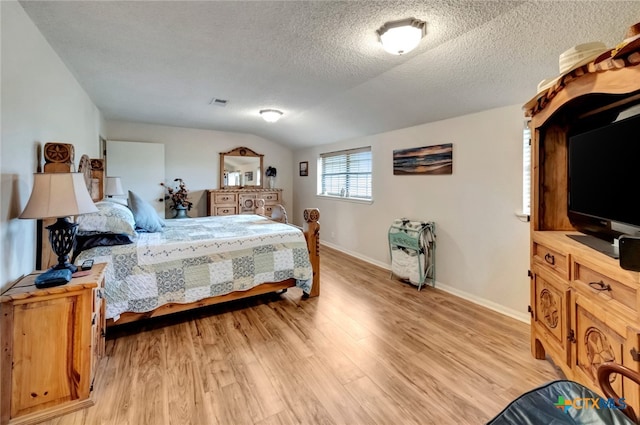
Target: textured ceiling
317, 61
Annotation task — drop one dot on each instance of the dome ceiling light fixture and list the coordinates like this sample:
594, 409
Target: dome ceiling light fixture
271, 115
401, 37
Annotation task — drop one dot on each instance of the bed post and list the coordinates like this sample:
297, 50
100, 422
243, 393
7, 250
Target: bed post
58, 158
311, 229
97, 174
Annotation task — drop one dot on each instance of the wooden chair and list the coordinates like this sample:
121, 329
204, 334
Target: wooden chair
259, 206
278, 213
608, 368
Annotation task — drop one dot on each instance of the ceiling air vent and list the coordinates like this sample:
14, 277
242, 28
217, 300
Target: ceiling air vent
218, 102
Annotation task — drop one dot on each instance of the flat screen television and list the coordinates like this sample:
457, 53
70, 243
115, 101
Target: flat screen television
604, 177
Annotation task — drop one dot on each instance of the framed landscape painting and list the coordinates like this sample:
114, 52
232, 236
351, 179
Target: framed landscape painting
435, 159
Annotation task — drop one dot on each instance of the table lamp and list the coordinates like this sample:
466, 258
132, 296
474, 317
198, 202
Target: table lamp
113, 187
59, 195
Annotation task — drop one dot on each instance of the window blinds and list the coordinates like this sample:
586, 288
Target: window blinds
346, 173
526, 170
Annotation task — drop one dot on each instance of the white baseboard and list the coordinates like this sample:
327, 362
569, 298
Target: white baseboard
357, 255
499, 308
514, 314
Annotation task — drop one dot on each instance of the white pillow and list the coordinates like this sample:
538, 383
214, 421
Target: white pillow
121, 201
110, 218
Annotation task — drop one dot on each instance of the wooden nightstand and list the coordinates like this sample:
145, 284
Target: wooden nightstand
51, 342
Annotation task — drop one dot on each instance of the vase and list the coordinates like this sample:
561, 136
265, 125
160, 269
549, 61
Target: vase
272, 182
181, 212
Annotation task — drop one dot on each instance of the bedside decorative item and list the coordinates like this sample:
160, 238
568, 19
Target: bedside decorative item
271, 173
59, 195
113, 187
179, 198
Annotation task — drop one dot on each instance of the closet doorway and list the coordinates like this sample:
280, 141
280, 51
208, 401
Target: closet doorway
140, 166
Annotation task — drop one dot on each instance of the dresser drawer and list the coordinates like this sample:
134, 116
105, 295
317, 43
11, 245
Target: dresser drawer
225, 198
271, 197
552, 260
617, 293
226, 210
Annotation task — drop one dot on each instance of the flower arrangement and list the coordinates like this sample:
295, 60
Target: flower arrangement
178, 196
271, 172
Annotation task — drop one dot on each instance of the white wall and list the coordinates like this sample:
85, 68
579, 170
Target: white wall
41, 102
482, 247
193, 155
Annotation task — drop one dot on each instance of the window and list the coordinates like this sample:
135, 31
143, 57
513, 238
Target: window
345, 174
526, 170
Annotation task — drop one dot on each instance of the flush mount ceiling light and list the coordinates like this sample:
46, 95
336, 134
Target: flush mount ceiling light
271, 115
400, 37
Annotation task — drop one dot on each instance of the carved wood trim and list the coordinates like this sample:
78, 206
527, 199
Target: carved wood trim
542, 100
58, 157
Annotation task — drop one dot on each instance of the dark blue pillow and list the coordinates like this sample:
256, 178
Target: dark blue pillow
146, 217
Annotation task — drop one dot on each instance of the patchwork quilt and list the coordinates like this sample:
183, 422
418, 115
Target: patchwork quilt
199, 258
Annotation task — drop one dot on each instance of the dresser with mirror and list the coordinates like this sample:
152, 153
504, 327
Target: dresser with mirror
242, 182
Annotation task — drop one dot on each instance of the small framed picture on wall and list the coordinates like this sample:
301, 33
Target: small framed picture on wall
304, 168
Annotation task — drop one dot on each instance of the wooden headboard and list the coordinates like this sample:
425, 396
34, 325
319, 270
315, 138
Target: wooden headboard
59, 158
93, 171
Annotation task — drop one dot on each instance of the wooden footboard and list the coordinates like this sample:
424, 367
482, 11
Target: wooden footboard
311, 231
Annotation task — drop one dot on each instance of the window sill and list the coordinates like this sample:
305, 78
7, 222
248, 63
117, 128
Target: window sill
353, 200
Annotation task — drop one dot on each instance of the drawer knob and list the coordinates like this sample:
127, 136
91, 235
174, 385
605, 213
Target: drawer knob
550, 259
600, 286
634, 354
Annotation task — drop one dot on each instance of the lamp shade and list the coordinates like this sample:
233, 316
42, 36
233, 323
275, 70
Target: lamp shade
58, 195
113, 186
271, 115
400, 37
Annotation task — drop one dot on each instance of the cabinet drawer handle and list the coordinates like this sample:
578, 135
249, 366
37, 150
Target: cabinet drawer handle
550, 259
600, 286
225, 211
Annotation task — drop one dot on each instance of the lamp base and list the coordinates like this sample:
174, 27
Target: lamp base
65, 266
62, 235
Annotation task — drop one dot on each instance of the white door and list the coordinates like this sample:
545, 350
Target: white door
140, 167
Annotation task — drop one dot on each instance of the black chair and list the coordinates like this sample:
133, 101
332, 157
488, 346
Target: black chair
568, 402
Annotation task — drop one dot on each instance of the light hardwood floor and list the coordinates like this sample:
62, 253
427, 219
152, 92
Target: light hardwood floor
369, 350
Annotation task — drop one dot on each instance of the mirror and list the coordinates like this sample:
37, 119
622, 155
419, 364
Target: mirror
241, 167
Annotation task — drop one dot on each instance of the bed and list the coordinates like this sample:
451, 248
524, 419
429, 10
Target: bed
195, 262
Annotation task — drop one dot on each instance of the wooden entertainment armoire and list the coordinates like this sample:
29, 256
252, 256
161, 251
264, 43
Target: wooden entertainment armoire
585, 308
